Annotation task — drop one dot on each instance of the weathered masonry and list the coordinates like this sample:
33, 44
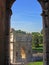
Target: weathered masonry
45, 16
20, 47
5, 14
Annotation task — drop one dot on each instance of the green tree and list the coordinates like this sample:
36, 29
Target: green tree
19, 31
37, 39
40, 39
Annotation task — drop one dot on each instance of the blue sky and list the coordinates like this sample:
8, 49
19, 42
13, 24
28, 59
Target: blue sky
26, 16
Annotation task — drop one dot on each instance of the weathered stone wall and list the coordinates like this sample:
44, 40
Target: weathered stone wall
2, 31
23, 41
22, 47
5, 13
45, 16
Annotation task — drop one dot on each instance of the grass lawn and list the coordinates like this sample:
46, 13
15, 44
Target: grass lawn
35, 63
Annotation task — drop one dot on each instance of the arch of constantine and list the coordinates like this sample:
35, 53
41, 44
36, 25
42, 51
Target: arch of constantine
5, 14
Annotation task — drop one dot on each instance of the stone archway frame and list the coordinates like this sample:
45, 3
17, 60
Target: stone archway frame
5, 14
45, 16
5, 27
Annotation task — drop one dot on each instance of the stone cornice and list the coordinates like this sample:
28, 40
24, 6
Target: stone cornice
43, 0
44, 4
9, 3
40, 0
44, 14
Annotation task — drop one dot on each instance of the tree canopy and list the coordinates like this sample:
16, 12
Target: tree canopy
37, 38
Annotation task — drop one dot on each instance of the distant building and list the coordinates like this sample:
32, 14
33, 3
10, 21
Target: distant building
20, 47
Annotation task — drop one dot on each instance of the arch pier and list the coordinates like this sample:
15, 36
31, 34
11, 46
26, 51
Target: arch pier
45, 16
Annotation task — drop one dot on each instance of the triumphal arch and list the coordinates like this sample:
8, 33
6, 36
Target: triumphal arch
20, 47
5, 15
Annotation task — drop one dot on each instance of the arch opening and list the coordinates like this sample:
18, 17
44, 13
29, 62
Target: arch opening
22, 51
23, 54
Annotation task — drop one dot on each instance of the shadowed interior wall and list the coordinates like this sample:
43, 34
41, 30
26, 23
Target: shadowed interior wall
5, 13
45, 19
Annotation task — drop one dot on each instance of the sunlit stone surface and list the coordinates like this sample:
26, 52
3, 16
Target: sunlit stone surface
20, 47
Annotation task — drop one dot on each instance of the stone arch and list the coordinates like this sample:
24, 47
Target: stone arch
23, 53
5, 27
